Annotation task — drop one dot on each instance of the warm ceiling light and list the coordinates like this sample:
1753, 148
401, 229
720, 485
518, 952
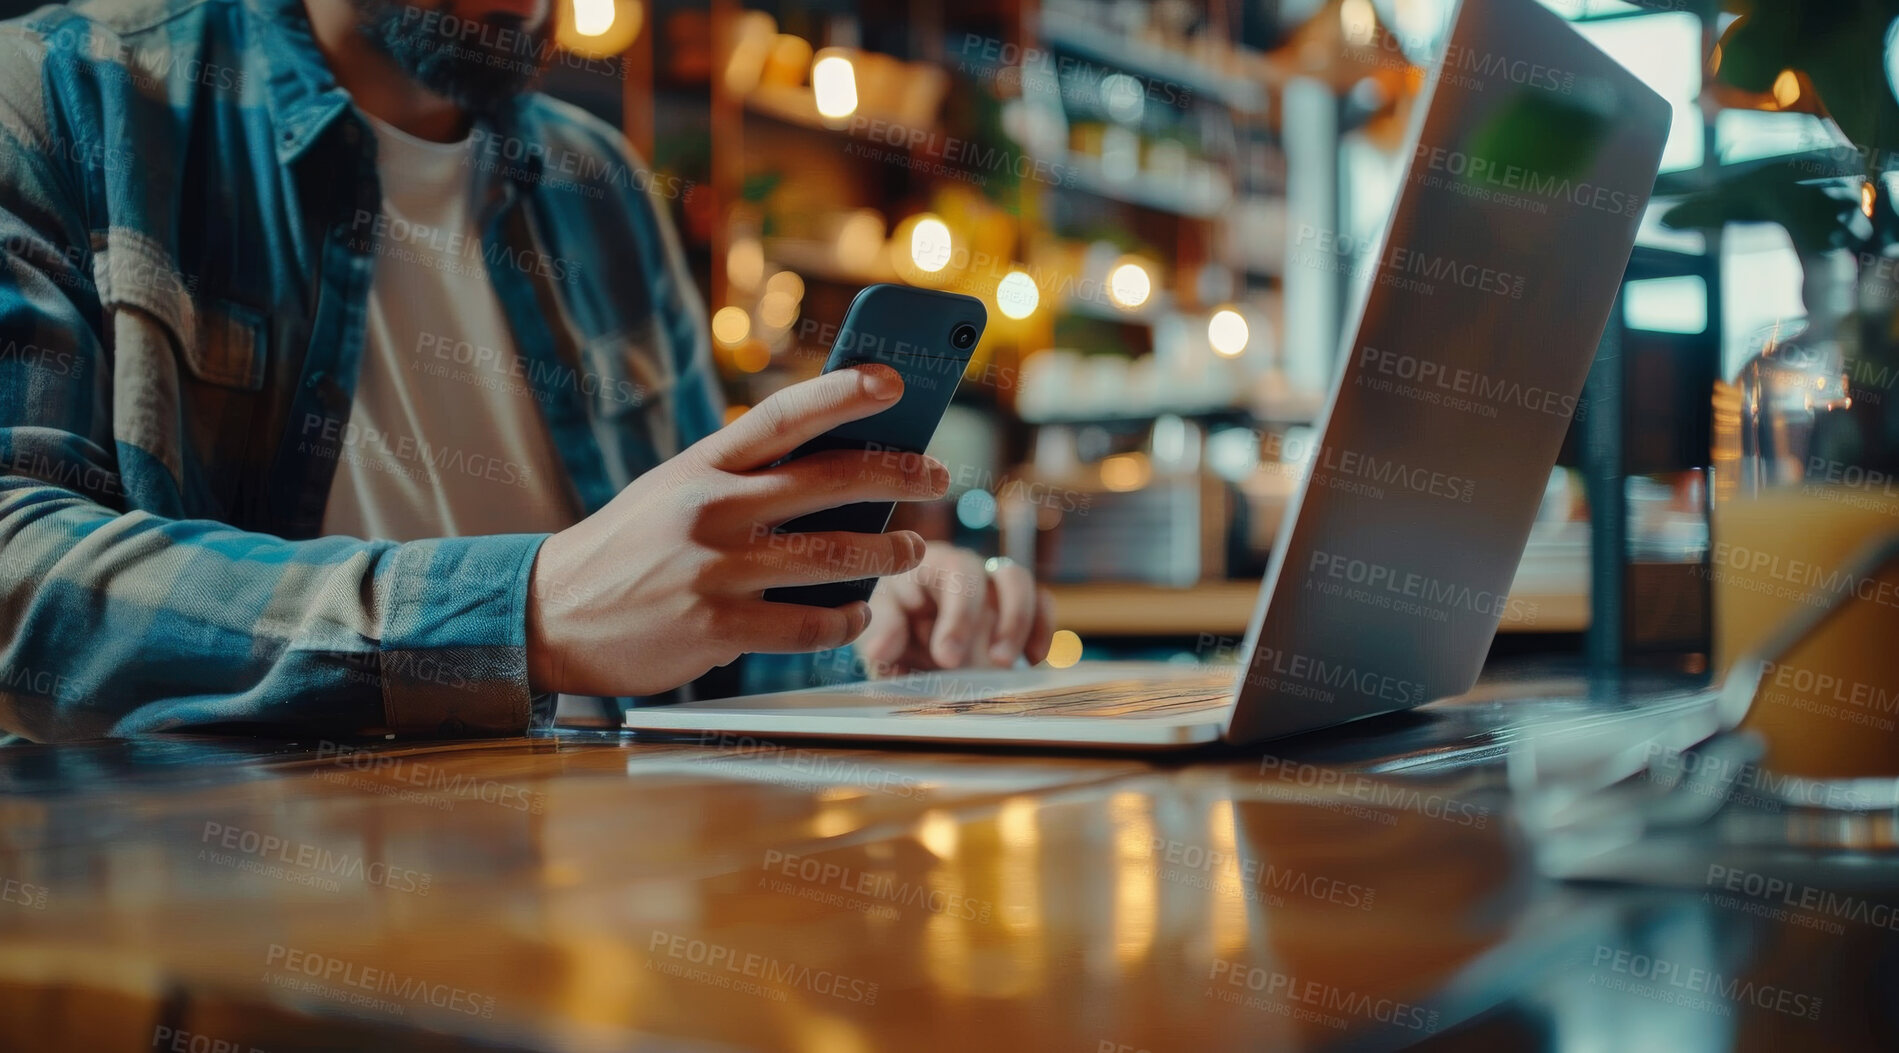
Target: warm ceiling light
1227, 332
930, 244
834, 83
1786, 88
600, 28
731, 325
592, 18
1016, 295
1129, 285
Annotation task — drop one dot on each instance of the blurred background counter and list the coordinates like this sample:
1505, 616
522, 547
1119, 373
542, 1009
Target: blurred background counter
1167, 208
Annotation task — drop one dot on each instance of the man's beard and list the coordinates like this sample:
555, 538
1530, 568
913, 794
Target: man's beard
478, 66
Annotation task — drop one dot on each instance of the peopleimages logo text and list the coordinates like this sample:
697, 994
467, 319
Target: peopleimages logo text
1270, 662
814, 871
1468, 383
907, 141
1798, 579
1804, 897
1261, 874
1829, 687
1376, 792
1676, 978
407, 989
1060, 71
1475, 168
1324, 996
1407, 268
1458, 58
1378, 578
754, 966
1372, 468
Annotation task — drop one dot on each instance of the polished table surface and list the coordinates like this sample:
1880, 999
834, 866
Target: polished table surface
1364, 887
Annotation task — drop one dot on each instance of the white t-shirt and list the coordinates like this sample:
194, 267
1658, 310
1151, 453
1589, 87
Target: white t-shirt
445, 438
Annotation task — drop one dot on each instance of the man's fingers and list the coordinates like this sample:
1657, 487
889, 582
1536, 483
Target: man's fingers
842, 477
1015, 612
985, 632
793, 628
960, 586
914, 656
909, 595
830, 555
1042, 633
882, 645
802, 412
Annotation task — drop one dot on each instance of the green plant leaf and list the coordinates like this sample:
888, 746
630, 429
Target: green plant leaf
1841, 47
1816, 217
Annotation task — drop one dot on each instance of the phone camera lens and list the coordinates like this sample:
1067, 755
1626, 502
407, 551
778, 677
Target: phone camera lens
963, 337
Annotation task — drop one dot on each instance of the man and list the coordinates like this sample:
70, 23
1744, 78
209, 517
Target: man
335, 396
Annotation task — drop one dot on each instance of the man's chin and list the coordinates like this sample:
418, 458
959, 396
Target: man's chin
480, 66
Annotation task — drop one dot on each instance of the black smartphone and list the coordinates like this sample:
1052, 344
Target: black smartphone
925, 335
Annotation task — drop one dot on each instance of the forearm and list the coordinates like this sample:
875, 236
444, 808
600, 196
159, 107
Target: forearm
114, 624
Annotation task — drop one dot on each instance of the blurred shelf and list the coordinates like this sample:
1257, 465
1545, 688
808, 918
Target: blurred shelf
798, 107
1124, 420
1225, 608
1157, 304
1111, 49
817, 260
1289, 410
1175, 197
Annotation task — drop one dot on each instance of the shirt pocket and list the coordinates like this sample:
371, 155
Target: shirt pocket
219, 341
229, 349
187, 378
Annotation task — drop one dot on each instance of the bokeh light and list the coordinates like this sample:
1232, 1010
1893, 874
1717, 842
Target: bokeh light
834, 83
1064, 649
930, 244
1129, 285
1227, 332
1016, 295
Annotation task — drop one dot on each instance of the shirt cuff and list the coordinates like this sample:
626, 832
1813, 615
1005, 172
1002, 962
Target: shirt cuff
454, 640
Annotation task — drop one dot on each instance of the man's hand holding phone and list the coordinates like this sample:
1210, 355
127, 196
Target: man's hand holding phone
666, 581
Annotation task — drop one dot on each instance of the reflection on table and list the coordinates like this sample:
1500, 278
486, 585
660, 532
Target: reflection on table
1361, 887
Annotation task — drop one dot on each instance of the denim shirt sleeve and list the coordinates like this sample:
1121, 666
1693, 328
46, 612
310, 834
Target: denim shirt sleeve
116, 619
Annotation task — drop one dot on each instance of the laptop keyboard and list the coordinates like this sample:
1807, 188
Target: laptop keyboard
1104, 698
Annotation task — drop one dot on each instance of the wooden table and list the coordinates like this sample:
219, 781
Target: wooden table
1361, 888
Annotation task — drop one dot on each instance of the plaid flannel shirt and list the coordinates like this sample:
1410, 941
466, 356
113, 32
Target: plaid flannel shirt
188, 230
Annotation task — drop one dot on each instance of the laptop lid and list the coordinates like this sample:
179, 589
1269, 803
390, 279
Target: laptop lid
1533, 161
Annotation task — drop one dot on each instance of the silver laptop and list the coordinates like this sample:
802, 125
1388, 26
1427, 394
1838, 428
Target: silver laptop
1533, 161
